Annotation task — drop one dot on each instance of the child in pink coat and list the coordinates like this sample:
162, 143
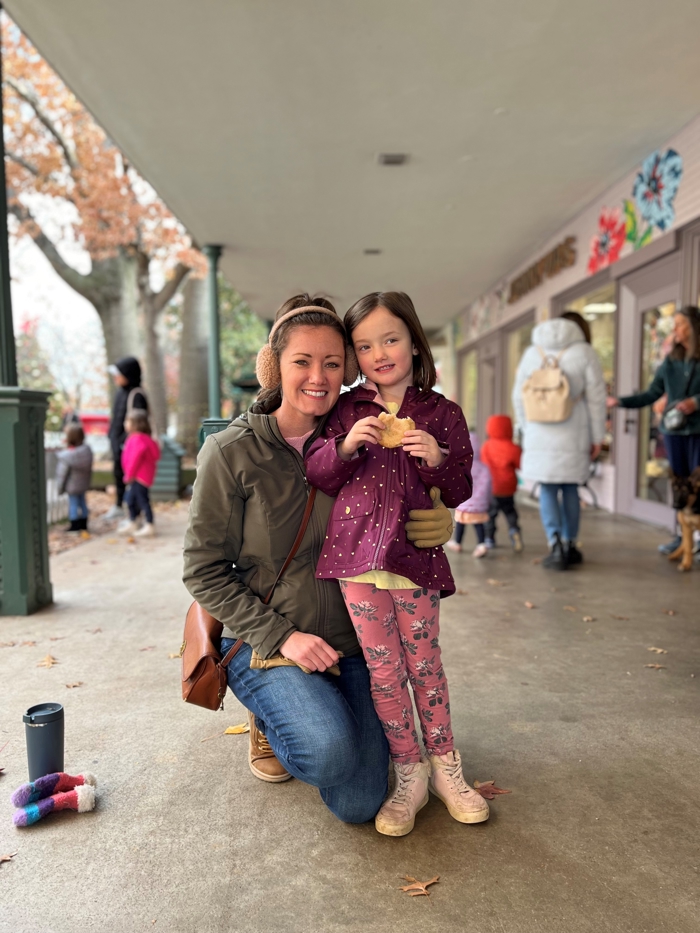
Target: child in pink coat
475, 511
140, 458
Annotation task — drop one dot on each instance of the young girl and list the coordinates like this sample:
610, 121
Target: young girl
139, 459
475, 511
391, 588
73, 475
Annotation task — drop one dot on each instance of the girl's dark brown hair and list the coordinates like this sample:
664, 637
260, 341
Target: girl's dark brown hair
581, 321
74, 435
138, 419
401, 306
679, 352
270, 399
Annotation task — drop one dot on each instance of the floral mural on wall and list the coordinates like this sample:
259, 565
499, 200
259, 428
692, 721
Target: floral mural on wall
650, 207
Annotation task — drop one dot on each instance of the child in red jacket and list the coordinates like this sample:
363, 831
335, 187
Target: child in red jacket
140, 457
502, 457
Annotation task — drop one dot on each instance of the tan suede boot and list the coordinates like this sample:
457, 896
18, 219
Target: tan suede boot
397, 815
447, 782
261, 758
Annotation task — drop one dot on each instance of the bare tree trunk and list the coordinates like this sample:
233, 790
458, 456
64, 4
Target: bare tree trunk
155, 369
194, 393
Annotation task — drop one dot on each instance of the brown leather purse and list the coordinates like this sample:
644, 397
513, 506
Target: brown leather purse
204, 678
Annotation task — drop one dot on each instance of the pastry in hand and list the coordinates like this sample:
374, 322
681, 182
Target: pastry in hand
392, 435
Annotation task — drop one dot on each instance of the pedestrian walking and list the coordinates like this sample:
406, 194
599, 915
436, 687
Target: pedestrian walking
678, 378
474, 511
129, 395
140, 460
502, 457
73, 476
559, 403
380, 469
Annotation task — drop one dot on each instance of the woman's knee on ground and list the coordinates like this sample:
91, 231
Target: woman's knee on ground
328, 757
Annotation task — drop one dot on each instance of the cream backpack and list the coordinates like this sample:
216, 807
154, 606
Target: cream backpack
547, 393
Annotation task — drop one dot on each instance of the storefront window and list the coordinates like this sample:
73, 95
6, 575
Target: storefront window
652, 462
517, 343
599, 309
469, 381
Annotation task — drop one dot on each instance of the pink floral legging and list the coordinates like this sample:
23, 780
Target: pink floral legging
398, 631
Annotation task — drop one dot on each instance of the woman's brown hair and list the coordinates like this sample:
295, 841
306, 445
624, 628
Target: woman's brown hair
139, 421
692, 314
401, 306
581, 321
269, 400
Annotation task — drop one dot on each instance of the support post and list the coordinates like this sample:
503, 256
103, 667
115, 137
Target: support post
24, 550
213, 252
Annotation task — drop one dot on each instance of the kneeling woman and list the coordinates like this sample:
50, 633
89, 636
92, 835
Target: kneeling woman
247, 507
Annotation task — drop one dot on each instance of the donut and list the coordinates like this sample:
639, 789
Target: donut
393, 433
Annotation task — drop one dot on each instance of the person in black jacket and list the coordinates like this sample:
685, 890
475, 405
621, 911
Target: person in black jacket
126, 374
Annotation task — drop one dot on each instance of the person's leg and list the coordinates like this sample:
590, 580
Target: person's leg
118, 475
549, 511
373, 613
459, 532
507, 504
417, 619
480, 532
490, 528
131, 499
82, 506
322, 729
571, 512
145, 502
72, 507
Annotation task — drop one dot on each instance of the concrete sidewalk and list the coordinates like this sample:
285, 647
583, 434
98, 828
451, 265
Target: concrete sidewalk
602, 756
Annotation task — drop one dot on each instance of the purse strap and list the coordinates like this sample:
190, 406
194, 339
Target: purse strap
297, 541
237, 645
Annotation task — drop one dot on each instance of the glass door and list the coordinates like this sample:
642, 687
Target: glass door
648, 300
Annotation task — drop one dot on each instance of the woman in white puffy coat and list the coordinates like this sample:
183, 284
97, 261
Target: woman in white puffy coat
558, 455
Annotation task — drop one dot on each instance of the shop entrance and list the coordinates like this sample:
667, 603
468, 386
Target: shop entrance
647, 301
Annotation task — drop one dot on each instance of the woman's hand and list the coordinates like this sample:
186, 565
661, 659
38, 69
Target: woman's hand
421, 444
687, 406
365, 431
595, 451
310, 650
612, 402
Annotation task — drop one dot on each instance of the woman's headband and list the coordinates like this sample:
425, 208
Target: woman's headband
295, 311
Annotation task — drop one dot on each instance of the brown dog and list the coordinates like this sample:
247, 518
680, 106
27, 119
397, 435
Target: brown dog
686, 496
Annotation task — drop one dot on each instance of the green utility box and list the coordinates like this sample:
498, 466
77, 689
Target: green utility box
212, 426
167, 484
25, 585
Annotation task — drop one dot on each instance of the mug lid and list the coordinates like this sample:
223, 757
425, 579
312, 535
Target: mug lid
43, 712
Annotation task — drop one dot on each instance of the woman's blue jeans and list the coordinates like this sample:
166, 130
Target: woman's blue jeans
323, 729
77, 506
560, 517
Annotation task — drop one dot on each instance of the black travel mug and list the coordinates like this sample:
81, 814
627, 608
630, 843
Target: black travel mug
43, 727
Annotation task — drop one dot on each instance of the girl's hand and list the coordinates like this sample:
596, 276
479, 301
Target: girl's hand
687, 406
310, 650
365, 431
423, 445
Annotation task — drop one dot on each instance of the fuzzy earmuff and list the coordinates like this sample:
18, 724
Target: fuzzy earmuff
268, 371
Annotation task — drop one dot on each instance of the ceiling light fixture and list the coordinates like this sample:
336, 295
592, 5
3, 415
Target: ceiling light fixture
372, 252
392, 158
602, 307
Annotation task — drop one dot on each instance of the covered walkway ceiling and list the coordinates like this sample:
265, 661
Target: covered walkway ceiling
260, 122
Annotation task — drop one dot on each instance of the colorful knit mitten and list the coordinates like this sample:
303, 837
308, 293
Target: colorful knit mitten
80, 798
50, 784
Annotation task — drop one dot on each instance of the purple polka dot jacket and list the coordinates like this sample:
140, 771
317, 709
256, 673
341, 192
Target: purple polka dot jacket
376, 490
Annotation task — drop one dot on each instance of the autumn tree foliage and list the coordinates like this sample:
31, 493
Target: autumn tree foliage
68, 181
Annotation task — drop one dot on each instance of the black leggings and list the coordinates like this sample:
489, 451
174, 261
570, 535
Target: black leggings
478, 528
505, 504
138, 501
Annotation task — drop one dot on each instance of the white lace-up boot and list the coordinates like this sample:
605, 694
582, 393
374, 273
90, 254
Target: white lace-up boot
397, 815
447, 782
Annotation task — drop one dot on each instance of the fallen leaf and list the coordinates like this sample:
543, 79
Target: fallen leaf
93, 631
112, 540
147, 648
415, 888
656, 667
29, 644
78, 683
174, 654
131, 540
492, 582
488, 789
237, 730
7, 644
85, 535
94, 561
620, 618
536, 560
670, 612
571, 608
56, 637
529, 605
657, 650
48, 661
215, 736
462, 592
8, 857
588, 619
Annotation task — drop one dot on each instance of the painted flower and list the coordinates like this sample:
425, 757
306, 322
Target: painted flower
656, 186
608, 241
365, 609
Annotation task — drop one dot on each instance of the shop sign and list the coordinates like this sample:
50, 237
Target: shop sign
560, 258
